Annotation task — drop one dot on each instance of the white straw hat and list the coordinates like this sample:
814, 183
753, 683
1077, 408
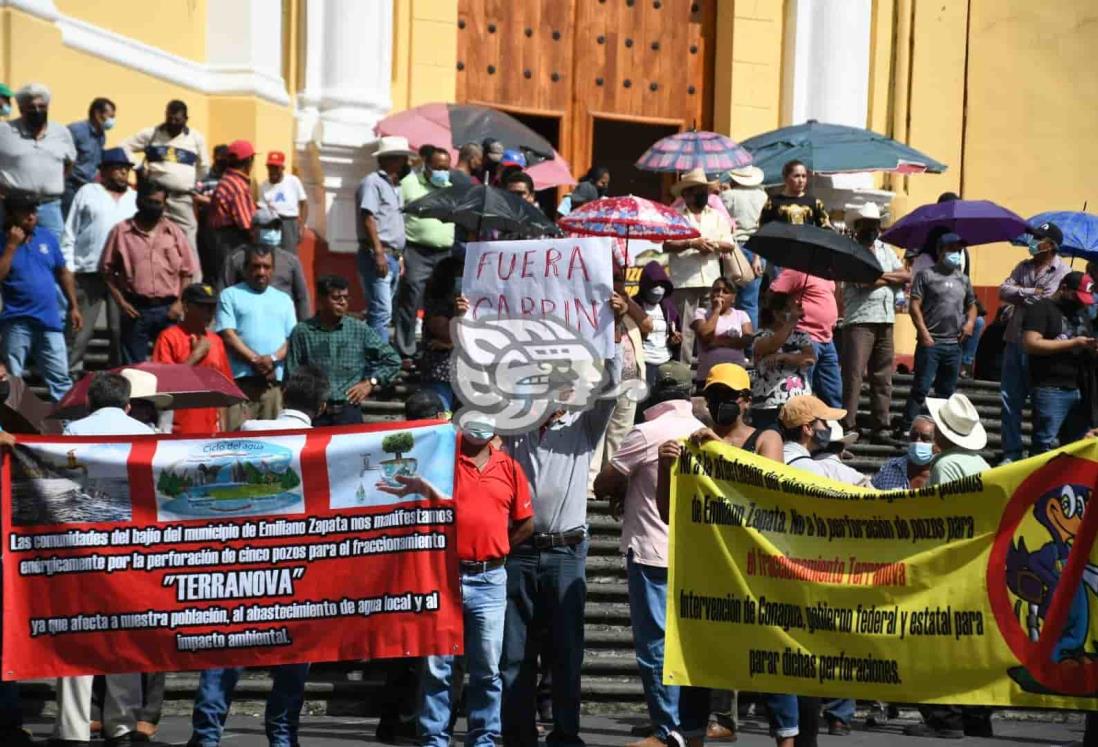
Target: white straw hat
958, 420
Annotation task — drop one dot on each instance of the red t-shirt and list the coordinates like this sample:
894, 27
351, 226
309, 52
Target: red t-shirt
487, 500
174, 346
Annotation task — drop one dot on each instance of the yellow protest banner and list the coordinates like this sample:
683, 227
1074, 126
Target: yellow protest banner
981, 591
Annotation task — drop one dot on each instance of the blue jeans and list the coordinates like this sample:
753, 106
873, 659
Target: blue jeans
827, 381
785, 717
1013, 393
747, 301
380, 292
215, 695
25, 338
50, 217
938, 366
840, 710
139, 334
694, 706
484, 604
1056, 410
968, 349
648, 610
546, 591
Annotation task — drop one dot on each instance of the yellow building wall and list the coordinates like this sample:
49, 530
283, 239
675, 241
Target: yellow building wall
424, 52
747, 70
176, 26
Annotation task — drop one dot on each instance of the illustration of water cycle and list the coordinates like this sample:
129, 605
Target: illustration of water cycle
237, 477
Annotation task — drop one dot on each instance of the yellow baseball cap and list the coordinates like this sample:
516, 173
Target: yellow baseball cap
804, 408
730, 375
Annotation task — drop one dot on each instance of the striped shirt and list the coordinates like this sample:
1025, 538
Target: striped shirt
233, 204
174, 162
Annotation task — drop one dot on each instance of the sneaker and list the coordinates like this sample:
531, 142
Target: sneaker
718, 732
926, 730
837, 728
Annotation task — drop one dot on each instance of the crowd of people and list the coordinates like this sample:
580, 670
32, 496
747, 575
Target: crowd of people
197, 264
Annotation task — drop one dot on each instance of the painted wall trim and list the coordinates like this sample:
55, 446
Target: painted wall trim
144, 58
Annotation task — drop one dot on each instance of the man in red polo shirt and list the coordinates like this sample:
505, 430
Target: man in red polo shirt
494, 513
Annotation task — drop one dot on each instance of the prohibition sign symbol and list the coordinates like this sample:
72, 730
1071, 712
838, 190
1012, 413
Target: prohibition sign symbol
1069, 677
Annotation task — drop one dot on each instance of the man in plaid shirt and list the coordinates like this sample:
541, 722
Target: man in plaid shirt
231, 208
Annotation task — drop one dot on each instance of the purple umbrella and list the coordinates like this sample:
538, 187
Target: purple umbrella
684, 151
975, 221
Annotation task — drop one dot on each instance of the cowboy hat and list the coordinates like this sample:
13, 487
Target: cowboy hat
958, 420
745, 176
393, 145
692, 178
865, 211
143, 386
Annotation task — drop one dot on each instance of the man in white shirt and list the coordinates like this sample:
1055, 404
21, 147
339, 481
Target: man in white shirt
109, 403
805, 431
695, 263
97, 208
285, 195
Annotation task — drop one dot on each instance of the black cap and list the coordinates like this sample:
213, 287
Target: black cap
199, 293
20, 200
1048, 230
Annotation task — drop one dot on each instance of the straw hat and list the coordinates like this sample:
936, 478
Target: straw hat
692, 178
393, 145
958, 420
865, 211
746, 176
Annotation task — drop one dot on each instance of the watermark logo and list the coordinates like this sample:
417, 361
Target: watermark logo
519, 371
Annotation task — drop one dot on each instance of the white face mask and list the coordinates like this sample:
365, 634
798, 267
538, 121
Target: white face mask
655, 294
108, 123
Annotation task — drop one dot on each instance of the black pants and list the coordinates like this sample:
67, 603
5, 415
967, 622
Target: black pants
343, 414
419, 262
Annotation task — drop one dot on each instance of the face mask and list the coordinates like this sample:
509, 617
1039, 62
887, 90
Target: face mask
821, 437
723, 413
439, 178
148, 212
108, 123
700, 200
478, 434
270, 236
36, 119
867, 236
602, 191
654, 294
920, 452
1092, 311
953, 259
5, 110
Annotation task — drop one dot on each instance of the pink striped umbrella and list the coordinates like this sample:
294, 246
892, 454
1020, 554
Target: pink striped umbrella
697, 149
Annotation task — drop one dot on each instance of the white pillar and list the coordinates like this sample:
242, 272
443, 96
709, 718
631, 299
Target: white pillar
346, 90
244, 48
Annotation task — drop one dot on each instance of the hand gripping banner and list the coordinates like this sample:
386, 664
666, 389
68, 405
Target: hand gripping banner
983, 591
148, 553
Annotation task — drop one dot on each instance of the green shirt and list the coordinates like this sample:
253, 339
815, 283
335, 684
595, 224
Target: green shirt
350, 353
426, 231
954, 464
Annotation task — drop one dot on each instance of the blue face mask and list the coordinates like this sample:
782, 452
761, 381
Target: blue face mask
5, 110
477, 433
1092, 311
270, 236
439, 178
954, 259
920, 453
108, 123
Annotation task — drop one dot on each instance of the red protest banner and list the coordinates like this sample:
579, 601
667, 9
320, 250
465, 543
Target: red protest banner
148, 553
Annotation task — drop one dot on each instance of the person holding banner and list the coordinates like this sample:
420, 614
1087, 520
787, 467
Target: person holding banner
109, 404
11, 718
630, 481
306, 391
494, 514
958, 439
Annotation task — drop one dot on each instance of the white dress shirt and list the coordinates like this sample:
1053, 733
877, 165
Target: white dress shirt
287, 420
95, 211
108, 421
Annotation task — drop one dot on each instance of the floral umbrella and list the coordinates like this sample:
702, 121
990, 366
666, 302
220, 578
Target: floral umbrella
696, 149
629, 217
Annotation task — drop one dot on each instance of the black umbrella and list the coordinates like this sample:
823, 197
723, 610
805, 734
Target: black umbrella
480, 208
815, 251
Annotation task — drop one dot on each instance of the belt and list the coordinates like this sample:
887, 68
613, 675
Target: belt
481, 566
544, 540
144, 302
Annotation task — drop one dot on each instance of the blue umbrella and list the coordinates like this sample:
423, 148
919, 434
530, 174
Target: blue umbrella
1080, 232
834, 149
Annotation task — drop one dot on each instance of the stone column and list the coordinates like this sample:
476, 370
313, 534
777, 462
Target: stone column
346, 90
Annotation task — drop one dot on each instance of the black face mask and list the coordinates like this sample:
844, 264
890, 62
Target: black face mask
867, 236
602, 191
149, 213
699, 200
723, 412
36, 118
5, 390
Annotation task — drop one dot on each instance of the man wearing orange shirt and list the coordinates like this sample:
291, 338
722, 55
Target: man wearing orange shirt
192, 342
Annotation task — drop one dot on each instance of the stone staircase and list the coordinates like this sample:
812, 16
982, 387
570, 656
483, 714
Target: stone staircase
610, 681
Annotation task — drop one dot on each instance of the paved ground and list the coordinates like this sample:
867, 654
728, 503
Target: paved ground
332, 731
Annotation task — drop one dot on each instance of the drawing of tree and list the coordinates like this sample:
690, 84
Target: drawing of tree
398, 443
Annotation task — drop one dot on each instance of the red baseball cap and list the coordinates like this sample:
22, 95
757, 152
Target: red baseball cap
1082, 284
240, 149
276, 158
